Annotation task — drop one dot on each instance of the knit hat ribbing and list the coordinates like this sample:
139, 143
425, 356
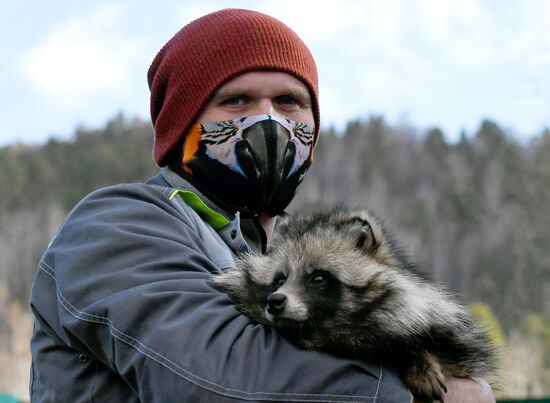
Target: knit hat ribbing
210, 51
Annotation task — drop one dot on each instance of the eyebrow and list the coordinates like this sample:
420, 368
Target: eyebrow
293, 90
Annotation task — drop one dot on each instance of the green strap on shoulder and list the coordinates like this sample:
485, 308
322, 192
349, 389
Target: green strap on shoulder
215, 220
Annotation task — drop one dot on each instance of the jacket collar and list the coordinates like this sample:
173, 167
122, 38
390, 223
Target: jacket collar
251, 229
208, 210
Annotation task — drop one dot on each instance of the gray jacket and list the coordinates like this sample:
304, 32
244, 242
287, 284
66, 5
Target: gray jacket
125, 312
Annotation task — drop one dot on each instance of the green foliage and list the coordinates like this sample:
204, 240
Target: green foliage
484, 315
535, 326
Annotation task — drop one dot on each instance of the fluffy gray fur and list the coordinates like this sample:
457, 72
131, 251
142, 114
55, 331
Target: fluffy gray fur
335, 280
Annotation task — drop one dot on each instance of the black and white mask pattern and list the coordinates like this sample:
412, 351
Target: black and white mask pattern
268, 153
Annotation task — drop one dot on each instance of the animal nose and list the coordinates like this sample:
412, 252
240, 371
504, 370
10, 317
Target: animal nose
276, 303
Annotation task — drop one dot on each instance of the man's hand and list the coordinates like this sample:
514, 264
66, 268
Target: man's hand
467, 390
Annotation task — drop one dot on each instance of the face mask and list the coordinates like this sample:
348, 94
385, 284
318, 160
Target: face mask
253, 164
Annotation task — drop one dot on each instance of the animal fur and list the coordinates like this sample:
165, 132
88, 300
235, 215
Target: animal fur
336, 281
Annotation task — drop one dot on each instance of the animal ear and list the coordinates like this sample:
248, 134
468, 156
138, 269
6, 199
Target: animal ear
365, 240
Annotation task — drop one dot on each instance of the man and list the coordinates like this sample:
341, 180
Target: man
124, 308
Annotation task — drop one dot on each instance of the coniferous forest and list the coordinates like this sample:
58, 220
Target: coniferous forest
474, 213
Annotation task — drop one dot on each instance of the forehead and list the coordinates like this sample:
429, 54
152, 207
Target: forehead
263, 83
312, 252
327, 252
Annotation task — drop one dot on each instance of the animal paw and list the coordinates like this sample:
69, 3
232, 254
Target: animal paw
426, 380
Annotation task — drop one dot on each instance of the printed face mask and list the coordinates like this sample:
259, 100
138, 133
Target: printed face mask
253, 164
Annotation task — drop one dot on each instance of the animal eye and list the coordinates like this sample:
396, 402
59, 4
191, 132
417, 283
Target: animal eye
279, 281
318, 278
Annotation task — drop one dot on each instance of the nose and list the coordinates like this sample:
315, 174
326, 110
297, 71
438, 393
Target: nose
276, 303
264, 106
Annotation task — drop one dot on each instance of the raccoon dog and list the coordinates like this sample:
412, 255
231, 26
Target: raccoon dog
336, 281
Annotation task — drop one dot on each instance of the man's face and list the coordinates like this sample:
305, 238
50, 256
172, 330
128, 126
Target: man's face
258, 93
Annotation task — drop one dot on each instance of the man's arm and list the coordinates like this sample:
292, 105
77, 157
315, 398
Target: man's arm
133, 287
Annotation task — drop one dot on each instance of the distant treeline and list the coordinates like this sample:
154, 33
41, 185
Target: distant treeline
61, 172
475, 213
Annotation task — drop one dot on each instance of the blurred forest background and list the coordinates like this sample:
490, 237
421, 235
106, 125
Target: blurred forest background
474, 213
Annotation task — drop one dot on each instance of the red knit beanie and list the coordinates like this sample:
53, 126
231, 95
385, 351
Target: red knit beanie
210, 51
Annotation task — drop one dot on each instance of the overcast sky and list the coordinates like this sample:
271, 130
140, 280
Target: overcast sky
424, 63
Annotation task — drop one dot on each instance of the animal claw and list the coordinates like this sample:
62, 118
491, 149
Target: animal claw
443, 386
426, 380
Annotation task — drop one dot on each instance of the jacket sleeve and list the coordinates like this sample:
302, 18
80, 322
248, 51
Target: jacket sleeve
133, 288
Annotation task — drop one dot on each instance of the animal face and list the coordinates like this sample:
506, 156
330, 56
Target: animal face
317, 274
309, 294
